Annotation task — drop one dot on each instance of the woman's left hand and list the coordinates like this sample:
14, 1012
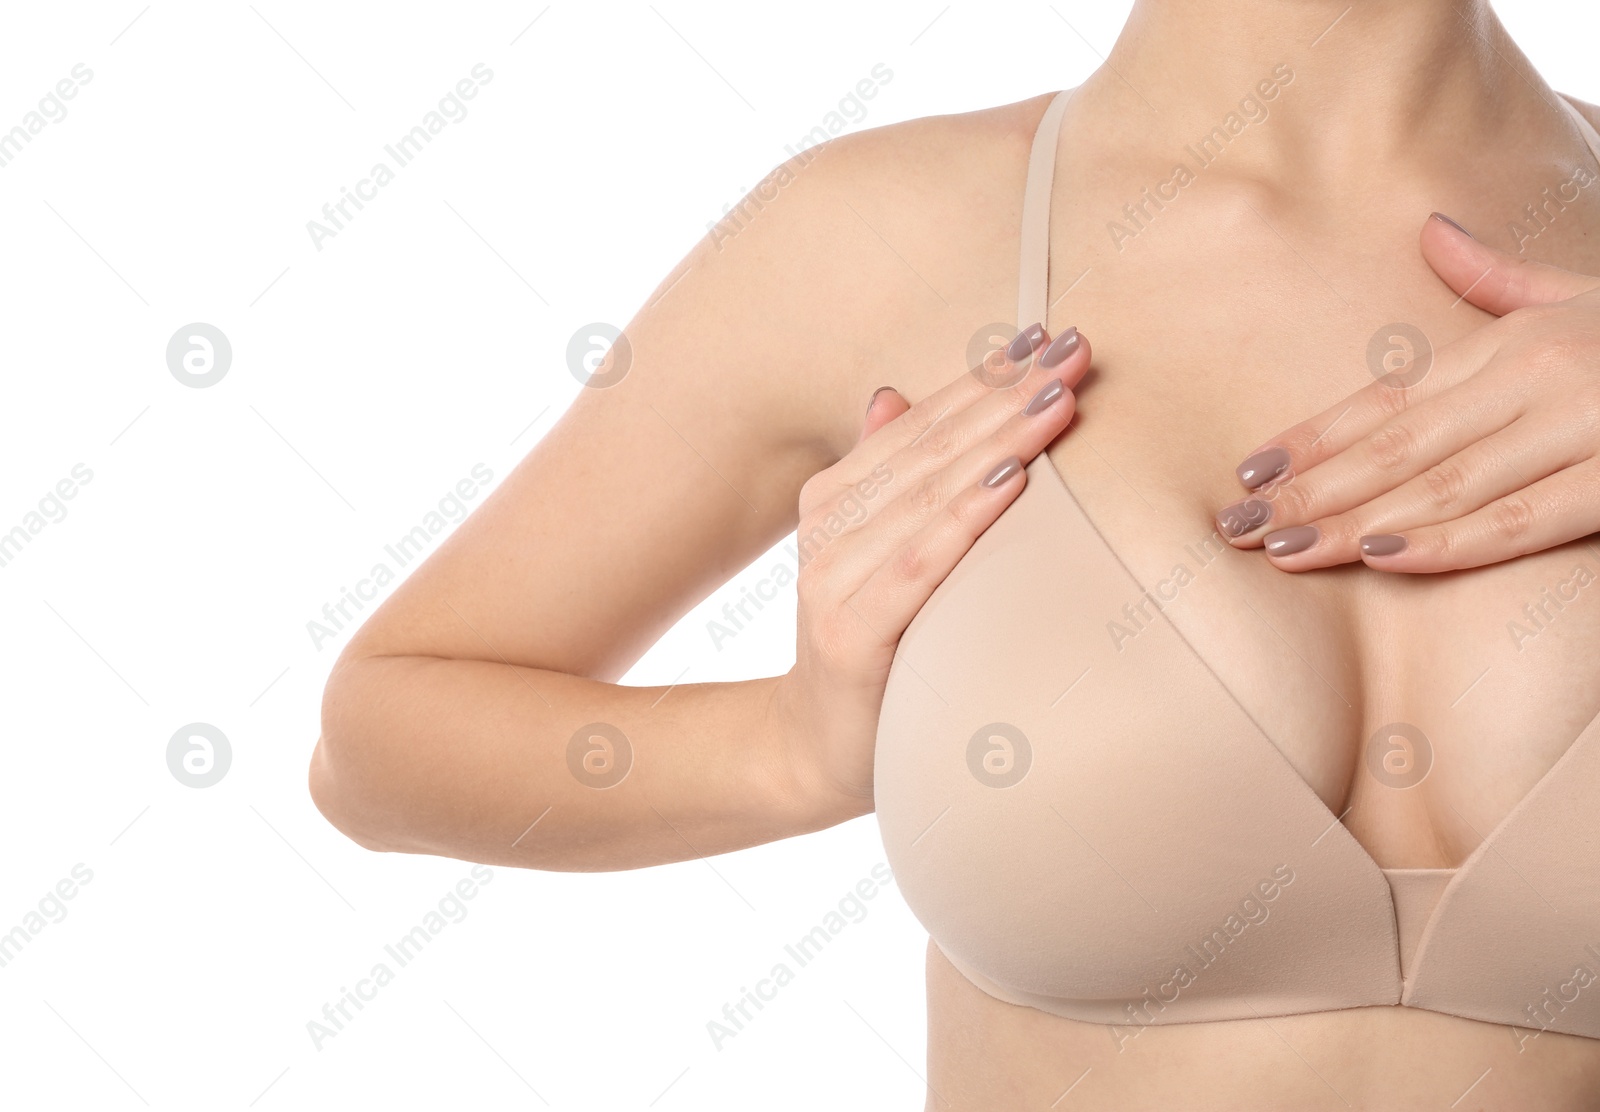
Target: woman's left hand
1493, 453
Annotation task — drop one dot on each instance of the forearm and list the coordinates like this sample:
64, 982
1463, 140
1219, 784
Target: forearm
475, 760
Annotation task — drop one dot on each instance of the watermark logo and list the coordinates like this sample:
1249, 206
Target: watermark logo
599, 756
1240, 518
999, 755
599, 355
451, 109
1251, 911
851, 110
1537, 613
1553, 1002
52, 908
403, 551
851, 908
1137, 216
1399, 355
1399, 755
988, 360
51, 510
51, 110
451, 908
199, 755
1548, 210
199, 355
811, 538
1139, 615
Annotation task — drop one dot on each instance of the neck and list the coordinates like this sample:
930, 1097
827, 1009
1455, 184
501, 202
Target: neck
1405, 81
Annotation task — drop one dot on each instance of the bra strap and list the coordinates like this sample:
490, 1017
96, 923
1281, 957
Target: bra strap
1033, 282
1590, 136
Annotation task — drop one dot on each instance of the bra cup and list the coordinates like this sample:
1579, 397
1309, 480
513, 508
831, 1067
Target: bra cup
1089, 824
1516, 937
1076, 815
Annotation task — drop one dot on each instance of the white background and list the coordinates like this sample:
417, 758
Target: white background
367, 379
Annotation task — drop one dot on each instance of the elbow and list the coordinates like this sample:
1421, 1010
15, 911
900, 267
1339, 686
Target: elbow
337, 792
345, 783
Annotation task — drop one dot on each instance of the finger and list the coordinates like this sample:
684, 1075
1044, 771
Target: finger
914, 502
1554, 510
901, 585
1512, 460
886, 404
1491, 279
931, 435
1379, 462
829, 486
1425, 374
929, 439
1031, 359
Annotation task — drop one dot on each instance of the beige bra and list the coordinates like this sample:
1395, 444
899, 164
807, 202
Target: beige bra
1101, 831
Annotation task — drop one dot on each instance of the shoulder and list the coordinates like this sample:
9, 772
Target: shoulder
1585, 109
960, 174
959, 142
950, 172
868, 259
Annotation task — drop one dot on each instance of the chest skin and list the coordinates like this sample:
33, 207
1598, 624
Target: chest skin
1214, 330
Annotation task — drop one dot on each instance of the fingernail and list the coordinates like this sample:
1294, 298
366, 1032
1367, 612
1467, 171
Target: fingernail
1453, 224
1241, 517
1045, 398
874, 399
1382, 544
1264, 465
1002, 471
1061, 347
1286, 542
1026, 343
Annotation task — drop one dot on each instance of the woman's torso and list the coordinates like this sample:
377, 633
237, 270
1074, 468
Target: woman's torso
1229, 316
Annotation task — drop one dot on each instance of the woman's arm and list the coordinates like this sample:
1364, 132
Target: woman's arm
449, 719
468, 758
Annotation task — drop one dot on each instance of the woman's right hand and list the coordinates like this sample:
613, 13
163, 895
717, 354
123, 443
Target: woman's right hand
880, 529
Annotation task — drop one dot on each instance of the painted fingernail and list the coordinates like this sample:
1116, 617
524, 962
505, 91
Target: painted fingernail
1045, 398
874, 399
1026, 343
1264, 465
1002, 471
1286, 542
1060, 347
1453, 224
1241, 517
1382, 544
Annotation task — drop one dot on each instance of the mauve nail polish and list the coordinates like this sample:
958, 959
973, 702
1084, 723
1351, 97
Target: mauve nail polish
1382, 544
1241, 517
1286, 542
1060, 347
1045, 398
1453, 224
1002, 471
1263, 466
1026, 343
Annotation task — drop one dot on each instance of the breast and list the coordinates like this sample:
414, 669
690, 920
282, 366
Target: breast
1088, 823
